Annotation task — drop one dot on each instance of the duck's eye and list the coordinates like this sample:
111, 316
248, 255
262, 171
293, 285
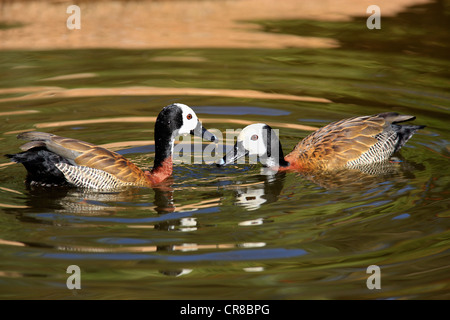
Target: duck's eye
189, 116
254, 137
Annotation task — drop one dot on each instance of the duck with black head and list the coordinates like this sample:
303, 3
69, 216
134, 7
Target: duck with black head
52, 160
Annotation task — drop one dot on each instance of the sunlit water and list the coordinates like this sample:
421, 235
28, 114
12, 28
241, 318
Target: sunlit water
229, 233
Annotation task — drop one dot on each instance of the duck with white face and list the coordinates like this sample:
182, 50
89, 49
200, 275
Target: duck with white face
52, 160
257, 139
349, 143
173, 121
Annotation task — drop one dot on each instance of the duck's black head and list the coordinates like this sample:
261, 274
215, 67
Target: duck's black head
179, 119
175, 120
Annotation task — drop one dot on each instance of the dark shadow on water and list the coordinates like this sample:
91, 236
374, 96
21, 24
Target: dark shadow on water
421, 29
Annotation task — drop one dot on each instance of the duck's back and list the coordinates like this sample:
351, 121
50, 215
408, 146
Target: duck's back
82, 164
353, 142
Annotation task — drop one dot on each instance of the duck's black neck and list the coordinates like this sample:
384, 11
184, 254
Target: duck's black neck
163, 144
281, 161
163, 151
275, 155
168, 121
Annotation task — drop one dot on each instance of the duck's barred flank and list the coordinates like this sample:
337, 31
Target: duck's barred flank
379, 152
353, 142
53, 160
349, 143
86, 177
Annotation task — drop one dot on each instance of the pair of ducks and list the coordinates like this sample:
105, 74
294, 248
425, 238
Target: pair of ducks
52, 160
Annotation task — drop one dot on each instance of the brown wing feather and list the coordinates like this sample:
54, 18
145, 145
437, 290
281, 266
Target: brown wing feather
89, 155
334, 145
111, 162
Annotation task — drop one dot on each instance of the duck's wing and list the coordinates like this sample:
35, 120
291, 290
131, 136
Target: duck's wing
354, 141
88, 160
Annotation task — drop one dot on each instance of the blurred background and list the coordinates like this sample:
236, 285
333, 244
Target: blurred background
226, 233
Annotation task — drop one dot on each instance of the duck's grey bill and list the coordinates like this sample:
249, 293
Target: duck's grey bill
199, 131
233, 155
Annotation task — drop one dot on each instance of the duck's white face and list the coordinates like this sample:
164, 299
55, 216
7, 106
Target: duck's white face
189, 119
254, 139
182, 120
175, 120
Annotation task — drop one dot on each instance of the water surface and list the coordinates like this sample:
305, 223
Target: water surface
233, 233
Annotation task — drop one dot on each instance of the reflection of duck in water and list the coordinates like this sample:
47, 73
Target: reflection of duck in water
53, 160
252, 196
355, 143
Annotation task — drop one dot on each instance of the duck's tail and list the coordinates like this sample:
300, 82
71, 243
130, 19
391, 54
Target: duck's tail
404, 132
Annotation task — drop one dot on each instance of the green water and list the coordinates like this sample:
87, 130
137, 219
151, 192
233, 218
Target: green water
233, 233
